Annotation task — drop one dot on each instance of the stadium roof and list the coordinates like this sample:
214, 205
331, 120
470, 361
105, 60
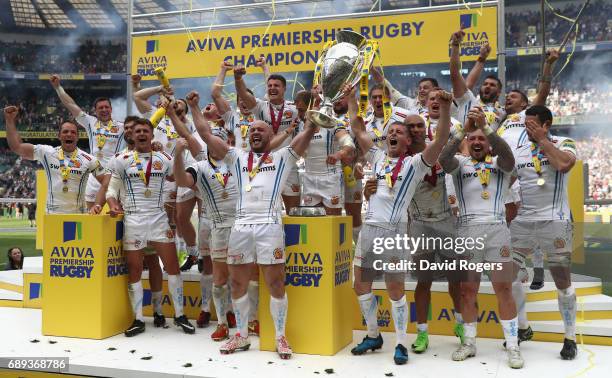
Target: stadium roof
109, 16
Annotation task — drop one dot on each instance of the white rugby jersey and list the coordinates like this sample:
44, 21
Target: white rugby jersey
218, 200
374, 125
430, 202
261, 111
126, 170
513, 130
474, 209
238, 124
431, 125
388, 206
262, 203
411, 104
113, 132
494, 112
72, 201
549, 201
322, 144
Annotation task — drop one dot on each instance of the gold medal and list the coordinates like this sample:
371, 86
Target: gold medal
147, 193
484, 194
248, 187
99, 155
224, 195
169, 145
541, 181
244, 145
65, 189
435, 194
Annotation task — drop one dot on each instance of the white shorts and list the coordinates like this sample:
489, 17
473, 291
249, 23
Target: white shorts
140, 230
92, 188
292, 185
554, 238
169, 191
354, 194
325, 189
219, 241
261, 243
365, 254
204, 235
513, 195
185, 194
491, 243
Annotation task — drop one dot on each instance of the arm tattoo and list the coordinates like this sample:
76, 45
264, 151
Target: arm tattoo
505, 157
447, 158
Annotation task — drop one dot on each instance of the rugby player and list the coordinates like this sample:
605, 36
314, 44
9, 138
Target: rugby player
544, 220
279, 114
105, 134
481, 181
218, 187
257, 235
67, 167
398, 175
143, 173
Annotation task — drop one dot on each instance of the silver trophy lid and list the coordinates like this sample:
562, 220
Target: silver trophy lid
351, 37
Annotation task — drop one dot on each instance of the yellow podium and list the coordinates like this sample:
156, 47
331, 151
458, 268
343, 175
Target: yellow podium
318, 283
84, 277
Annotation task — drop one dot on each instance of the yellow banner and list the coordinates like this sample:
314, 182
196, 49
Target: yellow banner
405, 39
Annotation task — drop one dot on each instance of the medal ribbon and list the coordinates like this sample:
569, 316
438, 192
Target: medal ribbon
145, 177
391, 175
244, 123
276, 121
430, 134
484, 173
169, 134
254, 171
536, 158
102, 133
222, 179
65, 168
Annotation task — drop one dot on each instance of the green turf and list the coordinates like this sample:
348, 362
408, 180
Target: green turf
24, 240
13, 223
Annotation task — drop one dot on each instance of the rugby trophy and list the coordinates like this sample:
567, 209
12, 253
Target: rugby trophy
343, 61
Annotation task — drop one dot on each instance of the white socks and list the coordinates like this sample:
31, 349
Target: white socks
368, 305
458, 318
175, 286
180, 244
566, 299
219, 295
278, 309
518, 292
510, 328
399, 311
135, 293
206, 284
241, 310
156, 298
537, 257
192, 250
422, 327
470, 329
253, 292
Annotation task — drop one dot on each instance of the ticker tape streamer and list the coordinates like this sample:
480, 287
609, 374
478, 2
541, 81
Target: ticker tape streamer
557, 14
571, 54
582, 347
267, 27
467, 6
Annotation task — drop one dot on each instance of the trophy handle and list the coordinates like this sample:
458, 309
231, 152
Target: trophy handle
351, 37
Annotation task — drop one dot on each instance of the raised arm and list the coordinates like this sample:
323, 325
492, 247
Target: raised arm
216, 145
546, 79
25, 150
261, 63
181, 129
459, 85
562, 161
357, 124
432, 151
241, 88
64, 97
181, 177
141, 97
472, 78
347, 148
505, 157
300, 143
223, 106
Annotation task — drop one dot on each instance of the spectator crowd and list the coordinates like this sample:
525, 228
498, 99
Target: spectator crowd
89, 57
596, 152
17, 176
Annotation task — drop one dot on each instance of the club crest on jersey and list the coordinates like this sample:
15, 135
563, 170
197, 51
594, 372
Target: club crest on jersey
114, 129
559, 243
505, 251
157, 165
335, 200
268, 160
287, 114
77, 164
278, 253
